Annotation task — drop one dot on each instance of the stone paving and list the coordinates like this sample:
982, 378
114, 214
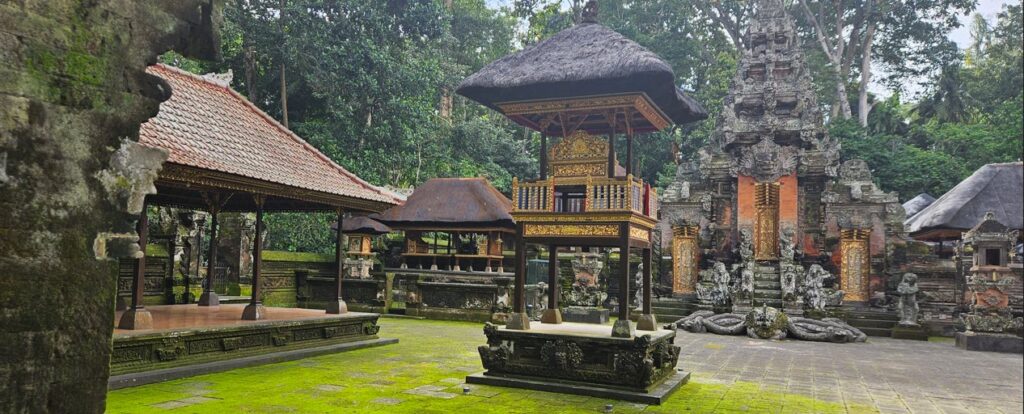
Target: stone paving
894, 376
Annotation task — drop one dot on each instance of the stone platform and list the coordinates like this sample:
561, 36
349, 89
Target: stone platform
582, 359
990, 342
190, 340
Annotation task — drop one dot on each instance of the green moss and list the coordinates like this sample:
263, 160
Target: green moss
283, 256
434, 353
156, 250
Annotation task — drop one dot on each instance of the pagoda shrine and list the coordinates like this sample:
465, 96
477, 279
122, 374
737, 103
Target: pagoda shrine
584, 87
768, 196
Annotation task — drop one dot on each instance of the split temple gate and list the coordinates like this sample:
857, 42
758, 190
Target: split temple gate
771, 177
586, 87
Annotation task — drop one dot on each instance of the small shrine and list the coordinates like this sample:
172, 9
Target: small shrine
360, 231
585, 88
989, 324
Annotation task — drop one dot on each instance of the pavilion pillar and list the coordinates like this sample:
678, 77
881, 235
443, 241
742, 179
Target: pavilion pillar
137, 316
543, 156
629, 154
622, 327
611, 151
519, 319
254, 310
209, 297
338, 305
552, 314
647, 322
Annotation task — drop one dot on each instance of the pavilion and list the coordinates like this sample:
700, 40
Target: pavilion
579, 84
226, 155
993, 187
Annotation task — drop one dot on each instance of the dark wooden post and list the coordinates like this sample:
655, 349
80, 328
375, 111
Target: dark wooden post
629, 154
611, 148
552, 314
622, 327
137, 316
543, 156
519, 319
254, 310
647, 321
338, 306
209, 297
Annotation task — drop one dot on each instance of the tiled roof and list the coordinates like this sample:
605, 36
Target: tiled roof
210, 126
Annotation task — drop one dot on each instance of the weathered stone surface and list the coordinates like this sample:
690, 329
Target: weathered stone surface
73, 91
990, 342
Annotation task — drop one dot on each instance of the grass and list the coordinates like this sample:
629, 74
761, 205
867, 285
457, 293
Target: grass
432, 354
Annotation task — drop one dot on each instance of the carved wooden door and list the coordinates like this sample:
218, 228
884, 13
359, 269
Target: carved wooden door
766, 226
855, 271
685, 259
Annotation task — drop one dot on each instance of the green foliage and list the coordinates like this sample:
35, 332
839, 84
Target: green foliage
304, 257
300, 232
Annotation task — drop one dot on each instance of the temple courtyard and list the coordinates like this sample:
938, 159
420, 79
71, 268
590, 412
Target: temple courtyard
425, 371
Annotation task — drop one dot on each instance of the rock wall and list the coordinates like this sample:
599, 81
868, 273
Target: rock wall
73, 92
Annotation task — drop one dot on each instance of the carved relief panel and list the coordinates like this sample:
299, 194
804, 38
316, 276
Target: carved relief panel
855, 270
766, 227
685, 259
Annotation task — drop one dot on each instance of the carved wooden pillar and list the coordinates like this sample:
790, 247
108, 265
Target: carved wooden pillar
254, 310
552, 314
685, 259
611, 146
519, 319
647, 322
137, 316
338, 305
766, 230
855, 270
543, 156
622, 327
209, 297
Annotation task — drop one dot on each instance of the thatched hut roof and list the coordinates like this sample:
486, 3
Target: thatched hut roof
584, 60
998, 188
361, 225
918, 203
451, 204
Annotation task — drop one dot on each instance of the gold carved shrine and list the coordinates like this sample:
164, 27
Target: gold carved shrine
855, 269
685, 259
580, 155
766, 228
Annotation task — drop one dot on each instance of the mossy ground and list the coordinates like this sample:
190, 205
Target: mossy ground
431, 360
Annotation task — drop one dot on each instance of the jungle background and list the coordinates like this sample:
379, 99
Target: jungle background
371, 84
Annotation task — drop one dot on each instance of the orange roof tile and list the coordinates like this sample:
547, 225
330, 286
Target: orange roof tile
210, 126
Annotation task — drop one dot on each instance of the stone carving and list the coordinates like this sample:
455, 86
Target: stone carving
788, 269
639, 279
766, 323
767, 161
713, 289
908, 308
586, 288
825, 330
561, 354
816, 295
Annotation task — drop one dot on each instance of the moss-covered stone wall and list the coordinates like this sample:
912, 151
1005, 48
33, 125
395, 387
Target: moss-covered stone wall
73, 93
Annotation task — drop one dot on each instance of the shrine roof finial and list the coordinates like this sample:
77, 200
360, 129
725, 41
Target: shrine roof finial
589, 13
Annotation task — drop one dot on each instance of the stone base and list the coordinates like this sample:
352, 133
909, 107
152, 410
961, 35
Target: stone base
990, 342
337, 307
622, 329
586, 315
551, 316
136, 319
253, 312
656, 396
209, 299
647, 323
518, 321
912, 332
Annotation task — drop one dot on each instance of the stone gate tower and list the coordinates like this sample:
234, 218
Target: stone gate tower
771, 179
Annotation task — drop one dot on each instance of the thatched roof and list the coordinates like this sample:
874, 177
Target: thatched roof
918, 203
998, 188
452, 204
361, 225
586, 59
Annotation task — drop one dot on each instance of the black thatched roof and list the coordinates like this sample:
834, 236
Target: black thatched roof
584, 60
452, 204
361, 225
918, 203
998, 188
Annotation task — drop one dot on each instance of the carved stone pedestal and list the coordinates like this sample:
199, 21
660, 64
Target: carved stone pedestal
254, 312
136, 319
646, 323
518, 321
337, 307
551, 316
209, 299
990, 342
582, 359
622, 329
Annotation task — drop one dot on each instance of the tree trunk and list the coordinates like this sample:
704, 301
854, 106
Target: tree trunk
863, 109
284, 99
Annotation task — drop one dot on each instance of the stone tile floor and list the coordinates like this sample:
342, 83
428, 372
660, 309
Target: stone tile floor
424, 373
893, 376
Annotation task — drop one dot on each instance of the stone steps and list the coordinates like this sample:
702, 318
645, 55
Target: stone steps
767, 285
671, 310
873, 323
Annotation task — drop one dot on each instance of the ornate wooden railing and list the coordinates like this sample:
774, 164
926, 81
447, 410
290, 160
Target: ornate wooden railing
627, 194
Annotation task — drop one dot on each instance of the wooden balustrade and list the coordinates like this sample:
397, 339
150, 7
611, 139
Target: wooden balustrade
602, 194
